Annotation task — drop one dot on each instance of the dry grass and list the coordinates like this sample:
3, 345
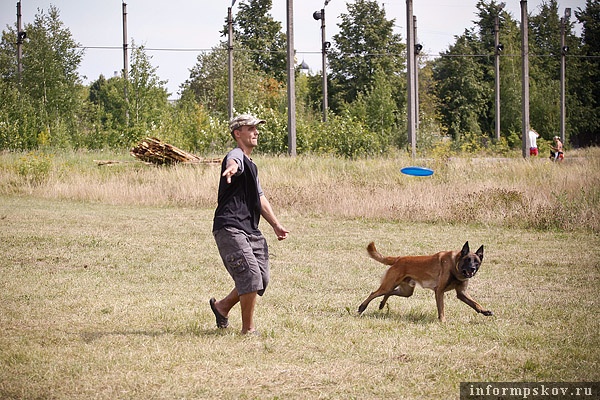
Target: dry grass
105, 275
513, 192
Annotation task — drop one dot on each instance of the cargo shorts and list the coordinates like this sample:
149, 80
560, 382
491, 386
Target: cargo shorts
246, 258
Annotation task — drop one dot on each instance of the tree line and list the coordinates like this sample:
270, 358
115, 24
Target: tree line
46, 104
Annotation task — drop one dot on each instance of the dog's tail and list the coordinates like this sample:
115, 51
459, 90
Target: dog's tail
378, 257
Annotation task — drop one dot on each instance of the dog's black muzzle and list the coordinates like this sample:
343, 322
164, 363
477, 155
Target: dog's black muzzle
468, 271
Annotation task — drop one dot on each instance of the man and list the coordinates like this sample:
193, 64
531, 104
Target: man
557, 153
241, 203
533, 149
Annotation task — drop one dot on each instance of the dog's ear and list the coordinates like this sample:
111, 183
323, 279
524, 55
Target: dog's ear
465, 249
479, 253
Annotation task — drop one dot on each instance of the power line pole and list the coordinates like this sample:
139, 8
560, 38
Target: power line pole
230, 57
320, 15
125, 64
563, 52
418, 49
525, 74
21, 35
412, 128
497, 49
291, 86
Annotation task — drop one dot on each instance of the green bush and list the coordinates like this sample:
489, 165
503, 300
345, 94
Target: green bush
34, 167
514, 140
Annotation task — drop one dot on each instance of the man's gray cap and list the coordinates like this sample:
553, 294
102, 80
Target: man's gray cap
244, 120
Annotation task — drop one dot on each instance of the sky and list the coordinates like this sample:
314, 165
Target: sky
175, 32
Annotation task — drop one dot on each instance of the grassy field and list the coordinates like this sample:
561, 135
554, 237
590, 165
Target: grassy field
106, 272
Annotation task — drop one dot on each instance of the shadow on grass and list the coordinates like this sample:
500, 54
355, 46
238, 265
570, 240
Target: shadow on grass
191, 330
89, 337
410, 315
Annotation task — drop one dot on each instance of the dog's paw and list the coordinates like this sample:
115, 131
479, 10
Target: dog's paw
487, 313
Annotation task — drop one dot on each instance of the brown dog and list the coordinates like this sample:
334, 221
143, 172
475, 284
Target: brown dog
440, 272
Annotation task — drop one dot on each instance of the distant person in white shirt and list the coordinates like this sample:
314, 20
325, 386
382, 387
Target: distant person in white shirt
533, 149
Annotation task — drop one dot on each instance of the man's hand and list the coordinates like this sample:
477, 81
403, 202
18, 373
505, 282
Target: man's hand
281, 232
230, 170
267, 212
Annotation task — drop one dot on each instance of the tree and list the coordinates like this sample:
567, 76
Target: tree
429, 105
544, 72
364, 45
194, 129
510, 67
377, 108
109, 95
260, 35
510, 76
462, 90
252, 87
145, 111
50, 84
465, 84
147, 96
107, 112
585, 85
544, 41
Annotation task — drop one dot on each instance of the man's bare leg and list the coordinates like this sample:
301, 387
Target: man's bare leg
227, 303
248, 303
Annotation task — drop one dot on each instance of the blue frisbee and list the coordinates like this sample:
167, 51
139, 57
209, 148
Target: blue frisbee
417, 171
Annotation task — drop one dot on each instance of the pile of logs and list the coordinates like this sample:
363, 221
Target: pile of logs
155, 151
